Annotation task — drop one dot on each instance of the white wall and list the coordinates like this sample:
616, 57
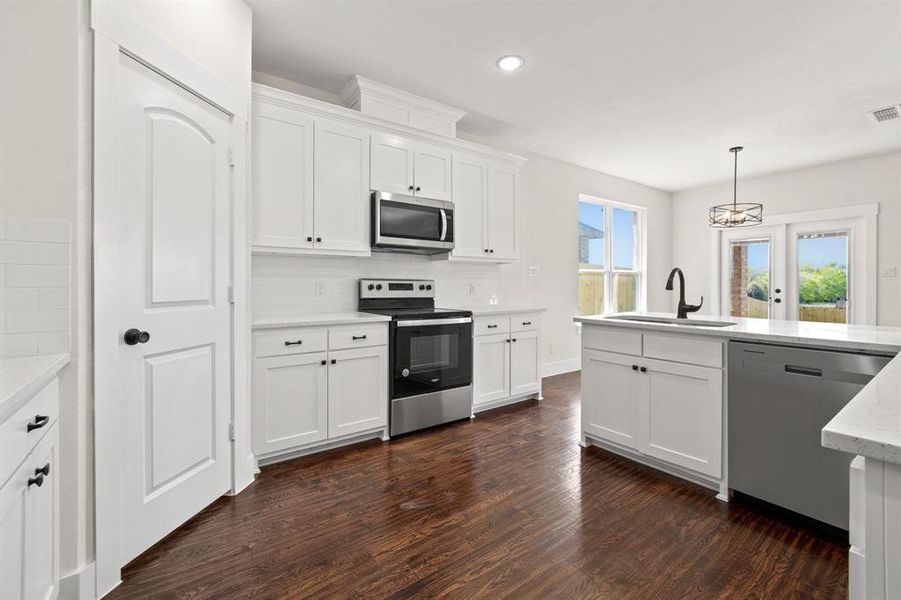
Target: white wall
45, 174
862, 181
549, 240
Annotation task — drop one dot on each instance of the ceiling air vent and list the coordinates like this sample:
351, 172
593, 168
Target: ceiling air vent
888, 113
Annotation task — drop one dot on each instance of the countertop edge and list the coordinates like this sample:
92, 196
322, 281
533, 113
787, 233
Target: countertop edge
502, 310
311, 321
14, 399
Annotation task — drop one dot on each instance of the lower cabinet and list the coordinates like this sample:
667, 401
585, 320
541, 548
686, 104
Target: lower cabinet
506, 365
301, 399
666, 410
29, 527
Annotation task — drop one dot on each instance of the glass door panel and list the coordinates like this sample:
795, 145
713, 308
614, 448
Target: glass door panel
822, 273
749, 278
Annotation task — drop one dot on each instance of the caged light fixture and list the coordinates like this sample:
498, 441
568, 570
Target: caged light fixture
736, 214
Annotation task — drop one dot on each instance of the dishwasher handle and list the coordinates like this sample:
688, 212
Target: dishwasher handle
807, 371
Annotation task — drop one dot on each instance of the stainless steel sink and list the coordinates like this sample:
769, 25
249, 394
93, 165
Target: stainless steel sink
671, 321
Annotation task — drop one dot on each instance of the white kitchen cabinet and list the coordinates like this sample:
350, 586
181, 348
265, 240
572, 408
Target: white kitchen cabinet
341, 187
470, 195
667, 410
282, 177
29, 525
318, 386
358, 381
290, 401
404, 167
525, 362
684, 415
491, 368
611, 399
506, 359
503, 218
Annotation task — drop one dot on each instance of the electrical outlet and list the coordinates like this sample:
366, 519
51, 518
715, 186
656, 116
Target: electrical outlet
888, 272
472, 289
552, 348
319, 289
533, 270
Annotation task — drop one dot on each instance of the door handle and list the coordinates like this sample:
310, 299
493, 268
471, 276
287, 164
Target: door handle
37, 480
136, 336
39, 421
809, 371
45, 470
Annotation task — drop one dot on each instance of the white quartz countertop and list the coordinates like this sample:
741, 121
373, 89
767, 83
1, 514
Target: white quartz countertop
500, 309
21, 378
313, 319
824, 335
870, 424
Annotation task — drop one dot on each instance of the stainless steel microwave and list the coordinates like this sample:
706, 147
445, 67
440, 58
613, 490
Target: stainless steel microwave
404, 223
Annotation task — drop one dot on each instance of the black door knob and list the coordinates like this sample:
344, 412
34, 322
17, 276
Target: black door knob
136, 336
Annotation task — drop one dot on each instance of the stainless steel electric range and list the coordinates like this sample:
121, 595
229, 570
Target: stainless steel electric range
430, 353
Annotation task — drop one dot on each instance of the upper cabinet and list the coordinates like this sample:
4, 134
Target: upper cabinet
403, 167
314, 164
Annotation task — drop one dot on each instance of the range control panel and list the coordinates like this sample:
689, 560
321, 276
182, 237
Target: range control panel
397, 288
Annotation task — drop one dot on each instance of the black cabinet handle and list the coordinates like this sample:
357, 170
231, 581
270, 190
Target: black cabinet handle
634, 367
297, 343
486, 249
507, 340
136, 336
334, 361
410, 188
37, 480
418, 189
45, 470
358, 337
310, 238
491, 251
514, 339
39, 421
492, 326
644, 369
319, 239
778, 291
526, 322
323, 362
777, 300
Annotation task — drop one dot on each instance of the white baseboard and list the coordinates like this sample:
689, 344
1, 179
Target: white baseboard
78, 585
561, 366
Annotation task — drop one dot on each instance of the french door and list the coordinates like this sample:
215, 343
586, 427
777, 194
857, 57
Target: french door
804, 270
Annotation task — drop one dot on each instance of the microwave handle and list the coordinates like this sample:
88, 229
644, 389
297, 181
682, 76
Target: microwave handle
443, 225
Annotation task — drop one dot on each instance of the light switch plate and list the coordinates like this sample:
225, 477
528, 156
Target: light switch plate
533, 270
888, 272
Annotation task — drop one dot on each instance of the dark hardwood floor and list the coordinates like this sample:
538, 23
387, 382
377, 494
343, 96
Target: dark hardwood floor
507, 505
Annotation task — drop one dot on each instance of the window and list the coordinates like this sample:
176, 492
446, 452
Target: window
610, 272
822, 263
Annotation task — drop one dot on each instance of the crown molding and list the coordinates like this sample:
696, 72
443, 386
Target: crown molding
357, 87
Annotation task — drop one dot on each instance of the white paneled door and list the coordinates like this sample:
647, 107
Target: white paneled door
163, 268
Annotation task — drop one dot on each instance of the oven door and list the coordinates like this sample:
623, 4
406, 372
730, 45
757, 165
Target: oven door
400, 221
429, 355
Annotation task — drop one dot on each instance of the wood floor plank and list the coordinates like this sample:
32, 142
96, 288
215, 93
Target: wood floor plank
505, 506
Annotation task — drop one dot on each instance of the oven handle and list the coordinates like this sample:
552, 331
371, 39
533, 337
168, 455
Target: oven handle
421, 322
443, 225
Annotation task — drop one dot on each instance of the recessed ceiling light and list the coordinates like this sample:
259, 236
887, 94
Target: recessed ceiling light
511, 62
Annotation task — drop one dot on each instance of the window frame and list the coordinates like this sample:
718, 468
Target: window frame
608, 270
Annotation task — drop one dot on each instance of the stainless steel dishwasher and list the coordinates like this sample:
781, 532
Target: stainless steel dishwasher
780, 397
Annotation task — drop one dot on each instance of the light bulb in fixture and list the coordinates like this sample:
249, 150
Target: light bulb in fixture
511, 62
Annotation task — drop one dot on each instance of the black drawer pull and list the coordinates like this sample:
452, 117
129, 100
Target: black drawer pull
526, 322
809, 371
644, 369
38, 480
334, 361
358, 337
323, 362
45, 470
492, 327
507, 340
297, 343
39, 421
634, 367
514, 339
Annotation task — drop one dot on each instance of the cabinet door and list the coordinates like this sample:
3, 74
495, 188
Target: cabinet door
358, 390
525, 362
392, 164
41, 521
491, 368
432, 173
12, 535
282, 167
341, 188
684, 415
610, 397
470, 194
503, 220
290, 401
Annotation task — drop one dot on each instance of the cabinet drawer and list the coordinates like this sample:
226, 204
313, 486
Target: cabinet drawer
525, 322
489, 325
610, 339
284, 341
684, 350
16, 441
357, 336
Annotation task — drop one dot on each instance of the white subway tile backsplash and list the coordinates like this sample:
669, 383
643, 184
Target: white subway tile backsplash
20, 298
36, 230
34, 286
53, 254
18, 253
37, 275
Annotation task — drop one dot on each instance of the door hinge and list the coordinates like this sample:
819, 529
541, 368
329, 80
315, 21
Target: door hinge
231, 432
231, 294
230, 155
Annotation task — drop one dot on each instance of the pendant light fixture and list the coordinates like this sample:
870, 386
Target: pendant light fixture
737, 214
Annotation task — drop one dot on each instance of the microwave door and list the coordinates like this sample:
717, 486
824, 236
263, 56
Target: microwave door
417, 224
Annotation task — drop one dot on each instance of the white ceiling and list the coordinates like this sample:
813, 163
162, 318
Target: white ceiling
655, 92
